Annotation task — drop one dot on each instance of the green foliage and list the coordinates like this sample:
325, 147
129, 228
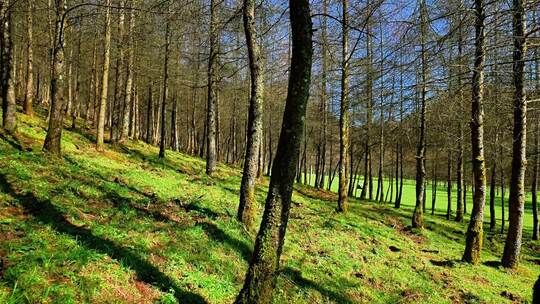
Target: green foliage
124, 226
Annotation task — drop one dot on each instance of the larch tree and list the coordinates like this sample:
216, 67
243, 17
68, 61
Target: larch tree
344, 113
261, 277
165, 88
475, 230
418, 215
53, 139
246, 208
211, 110
516, 200
9, 106
104, 79
29, 93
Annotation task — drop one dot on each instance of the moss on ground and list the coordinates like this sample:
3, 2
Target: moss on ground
124, 226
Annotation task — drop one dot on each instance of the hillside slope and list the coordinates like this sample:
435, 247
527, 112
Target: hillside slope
126, 227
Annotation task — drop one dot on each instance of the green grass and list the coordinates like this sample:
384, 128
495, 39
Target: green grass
126, 227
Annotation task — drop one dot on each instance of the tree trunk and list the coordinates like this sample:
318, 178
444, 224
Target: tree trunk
104, 80
29, 96
418, 215
165, 89
459, 170
536, 157
344, 114
128, 92
260, 280
493, 185
475, 231
54, 133
149, 115
246, 208
9, 106
449, 187
212, 92
516, 200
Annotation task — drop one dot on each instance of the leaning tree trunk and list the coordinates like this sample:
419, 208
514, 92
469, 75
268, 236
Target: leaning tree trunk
54, 133
104, 80
246, 208
516, 201
475, 231
211, 111
9, 106
261, 278
344, 115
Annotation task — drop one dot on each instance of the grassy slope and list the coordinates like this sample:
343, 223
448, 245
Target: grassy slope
126, 227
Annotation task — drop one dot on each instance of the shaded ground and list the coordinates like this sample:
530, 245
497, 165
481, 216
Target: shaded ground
124, 226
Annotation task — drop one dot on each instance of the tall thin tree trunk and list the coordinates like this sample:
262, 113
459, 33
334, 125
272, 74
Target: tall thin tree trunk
165, 89
29, 96
128, 90
53, 139
418, 215
475, 231
246, 208
104, 80
535, 232
344, 114
9, 106
212, 93
261, 278
449, 186
516, 200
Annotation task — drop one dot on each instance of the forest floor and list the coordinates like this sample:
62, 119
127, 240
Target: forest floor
124, 226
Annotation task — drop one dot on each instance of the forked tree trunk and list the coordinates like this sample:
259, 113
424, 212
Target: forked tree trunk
516, 200
246, 208
261, 277
475, 231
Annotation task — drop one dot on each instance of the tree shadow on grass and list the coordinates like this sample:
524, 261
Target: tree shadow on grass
217, 234
296, 276
47, 213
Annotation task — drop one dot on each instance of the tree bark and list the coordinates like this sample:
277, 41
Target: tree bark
260, 280
418, 215
246, 208
9, 106
53, 138
516, 200
212, 93
344, 114
128, 91
475, 231
104, 80
165, 89
29, 95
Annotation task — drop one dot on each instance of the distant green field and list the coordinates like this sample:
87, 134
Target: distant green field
408, 199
